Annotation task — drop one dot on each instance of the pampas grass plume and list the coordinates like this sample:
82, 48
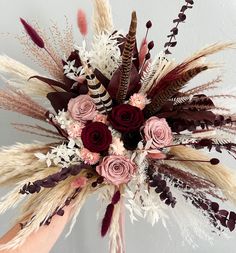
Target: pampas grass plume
82, 22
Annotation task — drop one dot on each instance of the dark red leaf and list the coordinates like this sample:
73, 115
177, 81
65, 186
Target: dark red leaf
104, 80
231, 224
60, 100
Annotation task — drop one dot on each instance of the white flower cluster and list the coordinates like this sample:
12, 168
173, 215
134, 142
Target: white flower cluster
63, 155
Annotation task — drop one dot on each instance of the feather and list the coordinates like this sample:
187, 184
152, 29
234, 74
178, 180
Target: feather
221, 176
126, 65
99, 94
180, 75
171, 88
102, 17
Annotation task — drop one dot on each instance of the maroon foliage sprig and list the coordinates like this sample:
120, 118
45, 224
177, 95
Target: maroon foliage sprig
174, 31
106, 222
218, 217
159, 183
52, 180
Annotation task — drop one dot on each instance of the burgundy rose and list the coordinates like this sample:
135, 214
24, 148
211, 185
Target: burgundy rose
126, 118
96, 137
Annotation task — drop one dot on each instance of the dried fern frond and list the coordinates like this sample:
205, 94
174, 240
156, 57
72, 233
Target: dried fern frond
219, 175
105, 54
102, 17
19, 77
16, 101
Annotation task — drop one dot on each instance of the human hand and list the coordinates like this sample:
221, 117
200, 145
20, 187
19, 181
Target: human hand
42, 240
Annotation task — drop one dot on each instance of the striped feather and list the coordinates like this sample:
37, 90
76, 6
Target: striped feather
171, 89
99, 94
126, 65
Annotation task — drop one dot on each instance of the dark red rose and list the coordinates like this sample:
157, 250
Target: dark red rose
96, 137
126, 118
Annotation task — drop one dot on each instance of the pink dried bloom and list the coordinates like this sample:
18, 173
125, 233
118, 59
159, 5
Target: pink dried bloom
79, 182
82, 108
116, 169
139, 100
74, 130
158, 131
117, 147
101, 118
89, 157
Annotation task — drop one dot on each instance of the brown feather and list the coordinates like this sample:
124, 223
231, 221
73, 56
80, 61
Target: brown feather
127, 60
171, 88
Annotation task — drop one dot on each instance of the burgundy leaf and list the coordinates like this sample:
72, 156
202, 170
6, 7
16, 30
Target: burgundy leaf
32, 33
231, 224
182, 16
104, 80
134, 85
60, 100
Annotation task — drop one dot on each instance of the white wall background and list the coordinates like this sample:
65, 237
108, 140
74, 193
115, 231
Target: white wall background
210, 21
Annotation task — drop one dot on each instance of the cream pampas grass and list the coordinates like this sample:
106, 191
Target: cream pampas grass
18, 162
102, 17
13, 198
19, 75
220, 175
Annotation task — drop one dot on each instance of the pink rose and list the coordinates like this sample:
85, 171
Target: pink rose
82, 108
116, 169
158, 131
89, 157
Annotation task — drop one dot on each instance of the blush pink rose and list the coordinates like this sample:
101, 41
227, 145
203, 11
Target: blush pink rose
116, 169
158, 131
82, 108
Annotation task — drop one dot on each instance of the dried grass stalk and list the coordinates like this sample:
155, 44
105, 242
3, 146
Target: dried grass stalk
102, 17
18, 162
219, 175
16, 101
19, 75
